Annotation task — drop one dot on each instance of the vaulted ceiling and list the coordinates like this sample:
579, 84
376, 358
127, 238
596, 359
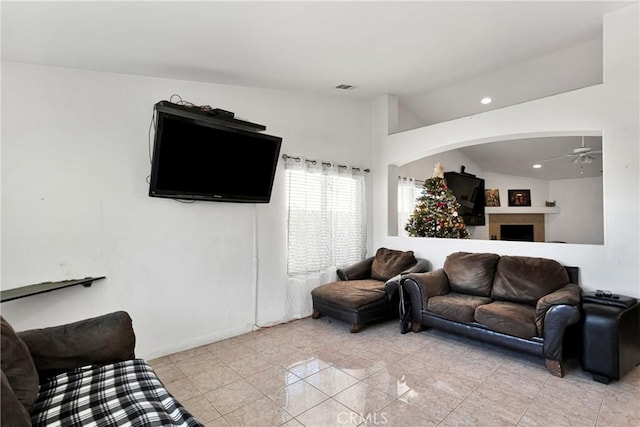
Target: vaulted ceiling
439, 57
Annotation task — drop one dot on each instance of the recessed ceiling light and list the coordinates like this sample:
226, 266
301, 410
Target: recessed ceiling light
486, 100
537, 166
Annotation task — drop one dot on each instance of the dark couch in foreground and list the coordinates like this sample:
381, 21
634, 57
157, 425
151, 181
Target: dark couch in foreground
83, 373
524, 303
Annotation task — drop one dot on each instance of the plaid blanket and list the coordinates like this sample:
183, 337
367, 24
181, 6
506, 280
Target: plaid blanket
127, 393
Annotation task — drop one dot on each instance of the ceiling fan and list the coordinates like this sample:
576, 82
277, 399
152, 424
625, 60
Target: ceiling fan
581, 155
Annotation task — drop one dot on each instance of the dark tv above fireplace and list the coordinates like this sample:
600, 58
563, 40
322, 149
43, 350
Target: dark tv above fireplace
469, 192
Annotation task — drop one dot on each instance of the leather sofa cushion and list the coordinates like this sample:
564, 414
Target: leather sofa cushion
104, 339
351, 294
508, 317
18, 366
455, 306
527, 279
471, 273
389, 262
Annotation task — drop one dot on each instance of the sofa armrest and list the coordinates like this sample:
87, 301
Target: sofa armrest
556, 322
421, 286
359, 271
391, 286
568, 294
431, 284
100, 340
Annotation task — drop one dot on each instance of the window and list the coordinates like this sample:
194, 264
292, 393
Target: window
326, 216
408, 192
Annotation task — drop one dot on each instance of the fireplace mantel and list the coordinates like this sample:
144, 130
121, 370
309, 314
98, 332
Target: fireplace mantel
522, 210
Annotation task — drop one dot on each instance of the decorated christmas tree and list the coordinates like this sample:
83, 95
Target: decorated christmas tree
436, 211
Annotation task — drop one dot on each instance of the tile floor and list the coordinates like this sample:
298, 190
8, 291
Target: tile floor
315, 373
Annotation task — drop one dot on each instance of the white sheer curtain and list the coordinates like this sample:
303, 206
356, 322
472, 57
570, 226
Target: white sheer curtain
408, 192
327, 227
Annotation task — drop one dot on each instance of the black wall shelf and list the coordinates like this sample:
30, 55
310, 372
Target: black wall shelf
40, 288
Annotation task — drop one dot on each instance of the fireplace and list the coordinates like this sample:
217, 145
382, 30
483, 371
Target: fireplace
516, 223
516, 232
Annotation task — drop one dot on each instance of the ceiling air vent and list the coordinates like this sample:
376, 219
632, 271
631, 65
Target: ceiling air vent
345, 87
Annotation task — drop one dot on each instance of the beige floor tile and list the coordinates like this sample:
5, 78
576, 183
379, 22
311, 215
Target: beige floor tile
272, 378
525, 379
198, 364
218, 422
233, 396
434, 402
331, 381
507, 403
202, 409
169, 373
402, 414
538, 415
182, 389
289, 356
231, 353
470, 414
458, 385
360, 367
332, 355
363, 399
297, 397
329, 414
393, 381
260, 413
512, 383
160, 361
574, 399
213, 378
620, 409
250, 364
306, 367
187, 354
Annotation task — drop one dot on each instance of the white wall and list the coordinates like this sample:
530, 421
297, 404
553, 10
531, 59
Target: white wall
611, 108
581, 211
75, 156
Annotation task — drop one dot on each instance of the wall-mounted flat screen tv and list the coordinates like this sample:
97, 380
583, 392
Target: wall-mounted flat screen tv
198, 156
469, 192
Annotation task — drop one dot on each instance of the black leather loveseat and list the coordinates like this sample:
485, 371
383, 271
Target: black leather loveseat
524, 303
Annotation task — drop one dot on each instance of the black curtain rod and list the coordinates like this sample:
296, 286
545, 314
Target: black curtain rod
417, 181
297, 159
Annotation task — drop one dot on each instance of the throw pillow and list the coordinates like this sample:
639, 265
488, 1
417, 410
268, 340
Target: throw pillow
18, 366
388, 262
